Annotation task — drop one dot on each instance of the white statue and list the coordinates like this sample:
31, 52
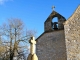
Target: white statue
32, 55
32, 45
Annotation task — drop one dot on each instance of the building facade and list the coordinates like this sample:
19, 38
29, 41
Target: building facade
60, 40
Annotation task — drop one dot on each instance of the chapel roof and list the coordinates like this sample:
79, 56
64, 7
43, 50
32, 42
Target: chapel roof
54, 14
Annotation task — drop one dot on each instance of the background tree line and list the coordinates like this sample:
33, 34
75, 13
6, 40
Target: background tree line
14, 39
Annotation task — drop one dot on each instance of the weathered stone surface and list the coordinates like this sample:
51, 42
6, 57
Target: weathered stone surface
72, 36
51, 46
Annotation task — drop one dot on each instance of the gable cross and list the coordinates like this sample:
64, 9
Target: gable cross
53, 7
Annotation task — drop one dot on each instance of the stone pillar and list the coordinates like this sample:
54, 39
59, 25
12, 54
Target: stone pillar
32, 55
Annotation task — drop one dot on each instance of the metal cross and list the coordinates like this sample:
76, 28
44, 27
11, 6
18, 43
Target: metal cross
53, 7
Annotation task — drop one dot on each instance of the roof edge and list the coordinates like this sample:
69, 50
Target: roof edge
46, 32
40, 36
71, 15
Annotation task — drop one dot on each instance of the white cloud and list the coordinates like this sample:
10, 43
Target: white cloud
3, 1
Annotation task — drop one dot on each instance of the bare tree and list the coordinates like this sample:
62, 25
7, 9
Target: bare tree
13, 32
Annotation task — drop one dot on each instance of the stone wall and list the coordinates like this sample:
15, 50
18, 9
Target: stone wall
51, 46
72, 36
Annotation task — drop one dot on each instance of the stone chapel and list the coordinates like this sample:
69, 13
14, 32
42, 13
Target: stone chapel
60, 40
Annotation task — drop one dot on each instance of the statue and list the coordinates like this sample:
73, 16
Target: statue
32, 55
32, 45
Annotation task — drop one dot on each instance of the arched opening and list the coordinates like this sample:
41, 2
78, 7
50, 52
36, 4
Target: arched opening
55, 23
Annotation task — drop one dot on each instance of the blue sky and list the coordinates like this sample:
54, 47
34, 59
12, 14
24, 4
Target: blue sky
34, 12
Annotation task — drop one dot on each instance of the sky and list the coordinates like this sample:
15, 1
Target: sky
34, 12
